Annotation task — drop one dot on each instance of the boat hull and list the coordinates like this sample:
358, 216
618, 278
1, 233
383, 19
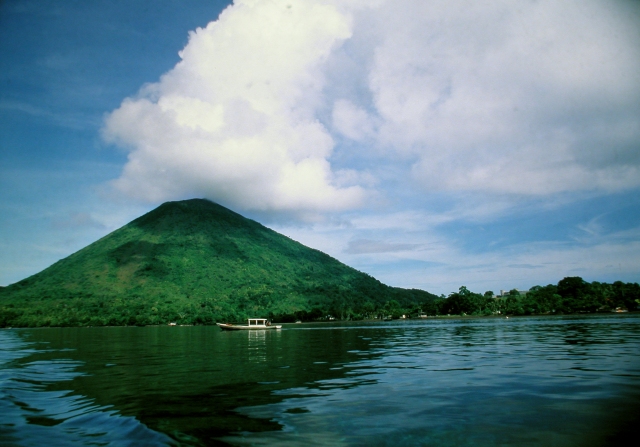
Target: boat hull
236, 327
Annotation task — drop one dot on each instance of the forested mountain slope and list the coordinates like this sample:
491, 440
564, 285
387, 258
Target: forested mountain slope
194, 261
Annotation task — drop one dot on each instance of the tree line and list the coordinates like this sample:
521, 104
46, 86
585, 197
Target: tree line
570, 295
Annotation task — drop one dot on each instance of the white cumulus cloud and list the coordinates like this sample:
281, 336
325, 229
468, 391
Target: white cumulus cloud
276, 103
515, 97
235, 119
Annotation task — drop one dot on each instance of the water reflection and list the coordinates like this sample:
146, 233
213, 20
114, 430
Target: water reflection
442, 382
257, 346
470, 383
38, 406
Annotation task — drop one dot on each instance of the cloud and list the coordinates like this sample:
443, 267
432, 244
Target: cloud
524, 266
78, 220
520, 266
75, 121
308, 106
235, 119
533, 98
351, 121
362, 246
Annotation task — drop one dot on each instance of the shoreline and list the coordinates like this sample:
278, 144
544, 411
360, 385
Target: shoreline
375, 320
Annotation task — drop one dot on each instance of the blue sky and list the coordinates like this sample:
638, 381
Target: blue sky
430, 144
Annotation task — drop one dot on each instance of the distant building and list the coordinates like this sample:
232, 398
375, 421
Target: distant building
505, 293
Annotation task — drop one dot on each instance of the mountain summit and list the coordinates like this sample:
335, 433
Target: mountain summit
194, 261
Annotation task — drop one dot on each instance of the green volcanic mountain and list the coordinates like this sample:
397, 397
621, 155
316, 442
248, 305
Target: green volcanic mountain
196, 262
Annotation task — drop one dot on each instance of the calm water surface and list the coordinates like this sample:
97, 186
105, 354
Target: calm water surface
543, 381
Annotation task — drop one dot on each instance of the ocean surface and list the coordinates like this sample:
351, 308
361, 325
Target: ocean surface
530, 381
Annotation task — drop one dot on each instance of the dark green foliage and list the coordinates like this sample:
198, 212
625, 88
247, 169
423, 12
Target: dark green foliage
570, 295
195, 262
542, 300
465, 302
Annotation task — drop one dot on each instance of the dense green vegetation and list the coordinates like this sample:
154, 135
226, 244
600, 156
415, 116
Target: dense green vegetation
570, 295
196, 262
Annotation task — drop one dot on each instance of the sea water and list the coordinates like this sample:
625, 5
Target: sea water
531, 381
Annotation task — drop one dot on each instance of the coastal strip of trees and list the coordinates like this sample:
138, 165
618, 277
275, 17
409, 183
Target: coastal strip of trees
571, 295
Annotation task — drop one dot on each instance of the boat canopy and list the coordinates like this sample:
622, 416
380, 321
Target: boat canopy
257, 321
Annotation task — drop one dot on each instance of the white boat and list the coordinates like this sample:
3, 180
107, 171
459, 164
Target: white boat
252, 325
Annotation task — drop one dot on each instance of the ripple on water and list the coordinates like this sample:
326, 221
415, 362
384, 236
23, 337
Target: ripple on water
34, 414
516, 382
